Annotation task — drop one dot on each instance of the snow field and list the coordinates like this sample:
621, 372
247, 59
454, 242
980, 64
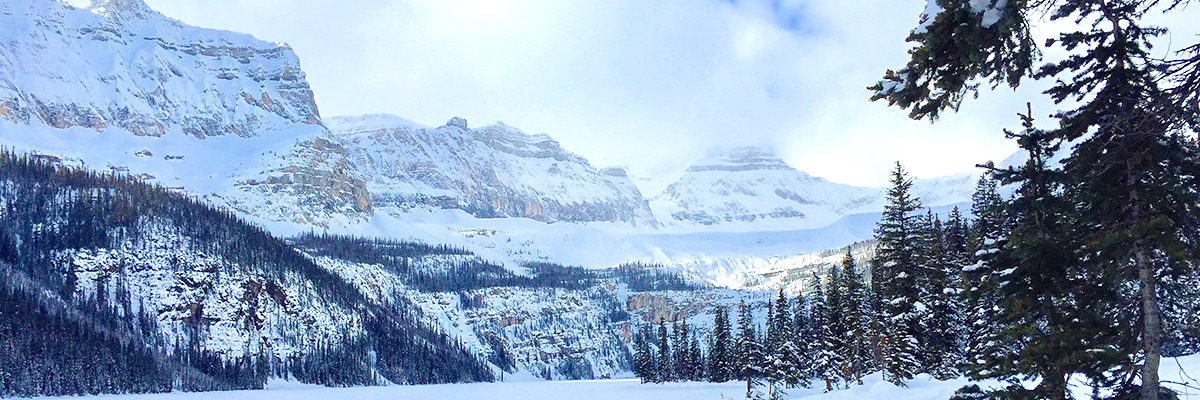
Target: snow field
1175, 374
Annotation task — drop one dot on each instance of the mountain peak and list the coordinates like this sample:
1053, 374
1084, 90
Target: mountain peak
743, 159
458, 122
123, 9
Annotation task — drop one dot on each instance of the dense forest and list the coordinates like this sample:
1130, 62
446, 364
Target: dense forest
57, 342
453, 275
1087, 264
945, 298
643, 277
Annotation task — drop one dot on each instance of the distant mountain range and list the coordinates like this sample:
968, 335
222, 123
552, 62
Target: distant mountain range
231, 120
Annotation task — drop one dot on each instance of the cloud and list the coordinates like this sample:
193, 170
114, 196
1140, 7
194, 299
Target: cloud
649, 85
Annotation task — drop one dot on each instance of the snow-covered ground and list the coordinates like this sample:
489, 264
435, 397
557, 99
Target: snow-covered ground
1175, 373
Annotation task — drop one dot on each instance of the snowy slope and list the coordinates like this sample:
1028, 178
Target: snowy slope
493, 171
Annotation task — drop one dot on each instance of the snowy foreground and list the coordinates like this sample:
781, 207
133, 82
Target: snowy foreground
1175, 373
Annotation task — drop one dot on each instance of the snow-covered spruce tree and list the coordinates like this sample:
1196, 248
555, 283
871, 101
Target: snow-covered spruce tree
895, 278
835, 329
986, 234
771, 364
679, 342
955, 236
943, 354
720, 348
804, 338
826, 360
696, 359
663, 361
1054, 311
748, 358
783, 361
855, 353
1132, 169
876, 333
643, 358
957, 256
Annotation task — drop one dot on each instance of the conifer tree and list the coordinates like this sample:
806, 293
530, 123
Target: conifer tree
856, 349
958, 256
721, 350
1052, 308
681, 357
749, 355
826, 360
956, 242
895, 276
875, 328
643, 358
804, 339
781, 347
664, 362
986, 235
942, 354
835, 324
695, 359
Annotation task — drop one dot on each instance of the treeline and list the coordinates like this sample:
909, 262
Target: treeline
47, 211
370, 250
946, 298
643, 277
459, 275
826, 336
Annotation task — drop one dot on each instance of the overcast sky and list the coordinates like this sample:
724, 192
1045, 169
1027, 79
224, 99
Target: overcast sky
650, 85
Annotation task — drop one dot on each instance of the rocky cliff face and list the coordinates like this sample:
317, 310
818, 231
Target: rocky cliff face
319, 180
491, 172
241, 310
126, 66
218, 114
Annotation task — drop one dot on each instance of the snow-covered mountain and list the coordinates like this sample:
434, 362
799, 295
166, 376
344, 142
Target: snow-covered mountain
750, 189
219, 114
495, 171
230, 120
122, 64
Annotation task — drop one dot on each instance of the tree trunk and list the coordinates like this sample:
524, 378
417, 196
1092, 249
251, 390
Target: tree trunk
1055, 385
1151, 324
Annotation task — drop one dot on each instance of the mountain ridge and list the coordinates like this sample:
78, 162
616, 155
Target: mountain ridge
291, 171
